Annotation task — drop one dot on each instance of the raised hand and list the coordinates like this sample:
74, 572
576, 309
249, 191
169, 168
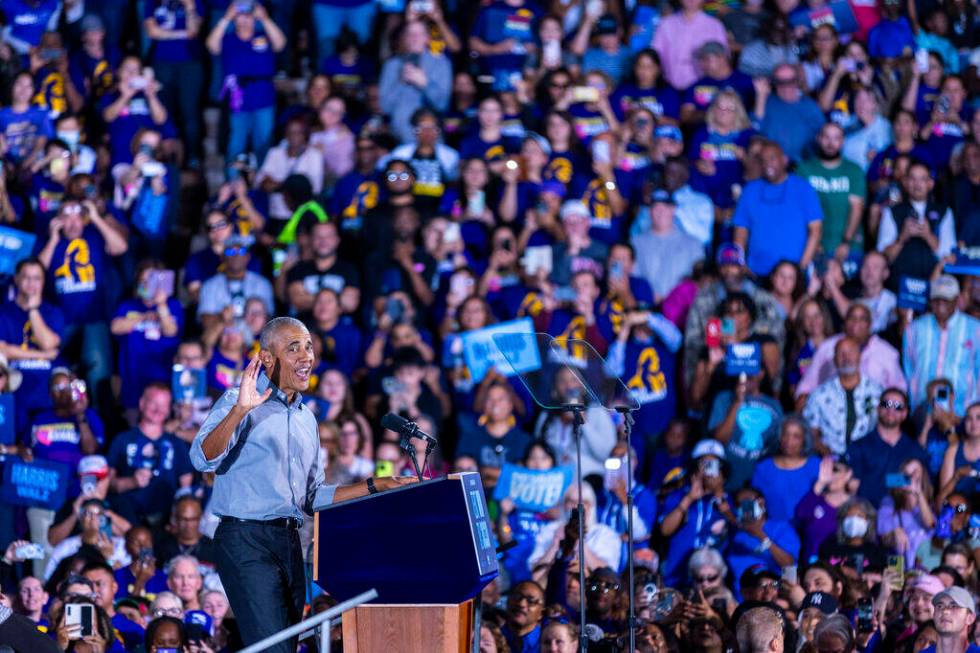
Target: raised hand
248, 394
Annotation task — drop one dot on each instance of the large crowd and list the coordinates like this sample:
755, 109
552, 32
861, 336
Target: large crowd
763, 213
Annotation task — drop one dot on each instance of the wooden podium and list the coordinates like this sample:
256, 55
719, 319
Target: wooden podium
428, 551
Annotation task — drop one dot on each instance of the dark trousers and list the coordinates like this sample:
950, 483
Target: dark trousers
261, 568
182, 86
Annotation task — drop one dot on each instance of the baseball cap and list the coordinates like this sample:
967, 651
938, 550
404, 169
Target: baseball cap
957, 595
822, 601
93, 465
669, 131
730, 254
663, 196
574, 207
91, 23
199, 624
754, 574
710, 48
708, 447
944, 287
606, 25
929, 584
61, 370
540, 140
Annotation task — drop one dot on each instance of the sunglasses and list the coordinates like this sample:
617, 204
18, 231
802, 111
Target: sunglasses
604, 588
707, 579
397, 176
893, 405
236, 251
214, 226
960, 507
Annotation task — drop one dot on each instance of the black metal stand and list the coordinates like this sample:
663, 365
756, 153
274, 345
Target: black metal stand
627, 414
578, 421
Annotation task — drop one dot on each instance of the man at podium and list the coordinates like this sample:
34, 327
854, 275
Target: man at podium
262, 444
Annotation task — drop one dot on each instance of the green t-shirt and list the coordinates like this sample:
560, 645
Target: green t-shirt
834, 186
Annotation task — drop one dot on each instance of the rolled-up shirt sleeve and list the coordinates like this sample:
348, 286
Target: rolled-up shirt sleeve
318, 494
218, 412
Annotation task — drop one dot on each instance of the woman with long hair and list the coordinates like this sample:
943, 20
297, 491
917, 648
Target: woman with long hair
811, 326
647, 88
717, 150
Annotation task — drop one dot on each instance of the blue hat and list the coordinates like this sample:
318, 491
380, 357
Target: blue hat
663, 196
554, 187
669, 131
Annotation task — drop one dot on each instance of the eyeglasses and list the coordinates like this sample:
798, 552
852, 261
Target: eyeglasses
707, 579
168, 612
893, 405
214, 226
604, 587
397, 176
785, 82
960, 507
559, 85
236, 251
530, 600
768, 585
945, 607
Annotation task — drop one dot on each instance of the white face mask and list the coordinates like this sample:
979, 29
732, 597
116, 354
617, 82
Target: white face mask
855, 526
72, 138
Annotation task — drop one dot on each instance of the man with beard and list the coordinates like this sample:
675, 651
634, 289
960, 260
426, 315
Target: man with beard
841, 188
733, 278
324, 270
525, 607
843, 408
777, 217
264, 445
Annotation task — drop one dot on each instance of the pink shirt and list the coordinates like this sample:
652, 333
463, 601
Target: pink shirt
678, 38
879, 362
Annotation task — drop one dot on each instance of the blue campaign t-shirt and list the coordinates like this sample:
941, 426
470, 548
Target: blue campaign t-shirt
133, 117
725, 151
16, 330
222, 372
46, 197
145, 353
168, 457
474, 147
704, 525
172, 15
125, 579
777, 217
661, 101
78, 277
94, 76
28, 20
21, 129
57, 438
649, 375
743, 550
784, 488
253, 62
499, 22
343, 346
703, 91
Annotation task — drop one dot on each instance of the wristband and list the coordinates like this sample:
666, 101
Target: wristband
765, 546
371, 487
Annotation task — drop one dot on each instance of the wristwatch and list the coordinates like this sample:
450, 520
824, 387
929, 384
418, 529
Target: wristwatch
371, 487
765, 545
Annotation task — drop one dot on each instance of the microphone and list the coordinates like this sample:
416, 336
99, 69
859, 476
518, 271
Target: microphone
408, 428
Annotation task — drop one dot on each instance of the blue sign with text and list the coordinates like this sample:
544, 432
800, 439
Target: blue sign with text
15, 246
532, 489
913, 293
39, 483
743, 357
510, 355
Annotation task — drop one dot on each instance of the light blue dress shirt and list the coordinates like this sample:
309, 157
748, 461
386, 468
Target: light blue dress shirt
270, 467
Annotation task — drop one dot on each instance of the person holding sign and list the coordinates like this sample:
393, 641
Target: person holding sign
494, 438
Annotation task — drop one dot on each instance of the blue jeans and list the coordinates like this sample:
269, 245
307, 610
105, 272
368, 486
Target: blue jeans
261, 569
328, 21
256, 126
182, 85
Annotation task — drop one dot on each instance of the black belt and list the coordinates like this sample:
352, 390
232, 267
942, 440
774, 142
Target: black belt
281, 522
